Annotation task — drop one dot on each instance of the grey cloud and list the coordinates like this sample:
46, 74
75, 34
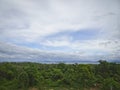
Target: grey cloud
27, 21
11, 52
11, 17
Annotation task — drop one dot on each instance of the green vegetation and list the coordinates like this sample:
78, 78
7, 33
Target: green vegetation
34, 76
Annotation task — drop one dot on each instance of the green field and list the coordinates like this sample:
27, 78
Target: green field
35, 76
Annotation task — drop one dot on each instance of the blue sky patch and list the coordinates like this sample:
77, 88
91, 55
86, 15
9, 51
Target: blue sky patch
85, 34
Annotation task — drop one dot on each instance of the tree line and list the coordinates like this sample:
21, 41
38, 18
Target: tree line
22, 76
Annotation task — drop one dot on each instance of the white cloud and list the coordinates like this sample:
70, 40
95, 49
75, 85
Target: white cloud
28, 21
11, 52
90, 48
51, 16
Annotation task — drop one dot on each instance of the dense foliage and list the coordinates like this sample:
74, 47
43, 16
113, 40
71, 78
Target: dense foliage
22, 76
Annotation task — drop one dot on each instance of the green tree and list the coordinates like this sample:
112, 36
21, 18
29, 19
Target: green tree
23, 80
110, 84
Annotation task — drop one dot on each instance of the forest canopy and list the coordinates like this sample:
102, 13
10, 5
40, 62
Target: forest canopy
22, 76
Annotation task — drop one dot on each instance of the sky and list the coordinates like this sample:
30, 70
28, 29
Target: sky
59, 29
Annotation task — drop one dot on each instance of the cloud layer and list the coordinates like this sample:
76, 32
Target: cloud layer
89, 29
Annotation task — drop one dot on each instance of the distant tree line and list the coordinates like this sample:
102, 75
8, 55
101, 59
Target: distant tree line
21, 76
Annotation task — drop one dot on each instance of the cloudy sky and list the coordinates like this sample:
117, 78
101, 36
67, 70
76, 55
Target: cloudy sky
82, 29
